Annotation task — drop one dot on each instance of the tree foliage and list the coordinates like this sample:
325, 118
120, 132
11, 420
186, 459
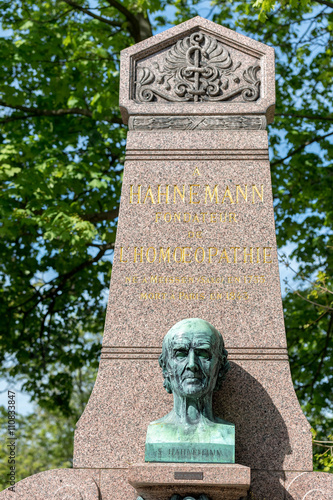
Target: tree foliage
43, 441
62, 150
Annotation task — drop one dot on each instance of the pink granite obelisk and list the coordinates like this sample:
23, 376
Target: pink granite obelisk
196, 238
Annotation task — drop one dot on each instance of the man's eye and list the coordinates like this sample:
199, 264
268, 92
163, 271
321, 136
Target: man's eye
181, 354
204, 354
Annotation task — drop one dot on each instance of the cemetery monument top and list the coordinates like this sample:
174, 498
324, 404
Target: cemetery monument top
209, 71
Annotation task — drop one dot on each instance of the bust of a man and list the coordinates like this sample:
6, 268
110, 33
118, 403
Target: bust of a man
194, 363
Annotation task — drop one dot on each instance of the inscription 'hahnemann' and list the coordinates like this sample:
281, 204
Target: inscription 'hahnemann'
187, 255
195, 194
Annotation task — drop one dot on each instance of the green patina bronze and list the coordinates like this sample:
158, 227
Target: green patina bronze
194, 363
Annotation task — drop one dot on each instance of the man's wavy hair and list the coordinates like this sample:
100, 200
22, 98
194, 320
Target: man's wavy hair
222, 354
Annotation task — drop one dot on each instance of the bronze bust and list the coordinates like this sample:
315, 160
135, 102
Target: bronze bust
194, 364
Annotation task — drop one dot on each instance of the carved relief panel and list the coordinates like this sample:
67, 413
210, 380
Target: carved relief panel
197, 68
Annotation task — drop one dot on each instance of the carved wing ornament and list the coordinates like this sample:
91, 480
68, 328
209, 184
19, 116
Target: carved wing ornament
197, 68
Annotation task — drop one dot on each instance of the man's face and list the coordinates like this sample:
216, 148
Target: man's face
193, 361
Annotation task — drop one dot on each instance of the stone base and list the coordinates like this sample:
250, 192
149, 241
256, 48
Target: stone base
218, 481
57, 484
309, 486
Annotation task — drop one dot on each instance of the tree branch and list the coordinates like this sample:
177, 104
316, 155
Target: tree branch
98, 217
50, 112
139, 25
325, 2
324, 352
91, 14
127, 13
62, 279
65, 277
309, 117
300, 148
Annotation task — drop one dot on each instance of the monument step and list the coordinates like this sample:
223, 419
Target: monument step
162, 481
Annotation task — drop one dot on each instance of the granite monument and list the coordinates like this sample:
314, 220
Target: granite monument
195, 239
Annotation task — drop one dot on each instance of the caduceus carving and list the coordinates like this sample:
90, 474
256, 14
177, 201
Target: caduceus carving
197, 60
197, 68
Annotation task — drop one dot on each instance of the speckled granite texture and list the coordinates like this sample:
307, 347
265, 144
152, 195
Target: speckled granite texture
200, 242
59, 484
160, 481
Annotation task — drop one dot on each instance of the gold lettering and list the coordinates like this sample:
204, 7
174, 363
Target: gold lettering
212, 194
267, 255
158, 216
239, 189
224, 255
136, 254
175, 255
177, 216
186, 255
195, 218
232, 216
210, 249
261, 196
182, 195
203, 216
165, 217
154, 255
235, 249
203, 255
258, 255
138, 194
192, 193
149, 194
213, 217
159, 194
227, 194
189, 217
250, 254
165, 256
196, 171
121, 255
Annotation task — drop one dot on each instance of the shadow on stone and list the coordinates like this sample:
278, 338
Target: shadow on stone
262, 440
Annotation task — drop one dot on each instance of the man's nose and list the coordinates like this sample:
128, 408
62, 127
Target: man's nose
192, 363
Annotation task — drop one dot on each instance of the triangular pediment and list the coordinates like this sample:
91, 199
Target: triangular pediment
199, 62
